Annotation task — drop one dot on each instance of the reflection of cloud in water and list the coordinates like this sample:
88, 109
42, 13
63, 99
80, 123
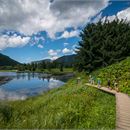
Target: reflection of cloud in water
5, 95
24, 85
54, 83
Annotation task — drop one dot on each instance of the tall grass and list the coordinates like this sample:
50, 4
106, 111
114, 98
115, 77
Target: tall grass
72, 106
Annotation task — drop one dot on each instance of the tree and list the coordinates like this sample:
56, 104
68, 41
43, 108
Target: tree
102, 44
48, 66
61, 67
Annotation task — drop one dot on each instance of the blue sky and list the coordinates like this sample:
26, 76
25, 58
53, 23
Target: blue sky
37, 33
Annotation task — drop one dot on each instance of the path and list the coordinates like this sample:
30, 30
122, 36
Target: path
122, 108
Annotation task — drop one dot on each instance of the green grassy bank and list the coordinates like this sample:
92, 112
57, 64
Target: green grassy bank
71, 106
119, 72
56, 71
8, 70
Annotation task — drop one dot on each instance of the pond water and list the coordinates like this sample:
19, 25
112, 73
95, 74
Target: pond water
19, 86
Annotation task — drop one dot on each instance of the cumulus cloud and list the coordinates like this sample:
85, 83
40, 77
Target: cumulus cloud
12, 41
124, 14
54, 58
52, 52
29, 16
67, 51
40, 46
36, 39
66, 44
67, 34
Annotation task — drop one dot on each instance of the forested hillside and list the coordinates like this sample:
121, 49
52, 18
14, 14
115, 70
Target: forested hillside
7, 61
68, 60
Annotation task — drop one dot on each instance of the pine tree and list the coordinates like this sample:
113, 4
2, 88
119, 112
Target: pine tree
102, 44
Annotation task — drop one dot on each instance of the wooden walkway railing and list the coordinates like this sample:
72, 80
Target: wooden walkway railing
122, 108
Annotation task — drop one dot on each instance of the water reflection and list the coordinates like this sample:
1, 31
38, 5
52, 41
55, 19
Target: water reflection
22, 85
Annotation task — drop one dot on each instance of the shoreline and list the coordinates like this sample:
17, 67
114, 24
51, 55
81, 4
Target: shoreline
4, 79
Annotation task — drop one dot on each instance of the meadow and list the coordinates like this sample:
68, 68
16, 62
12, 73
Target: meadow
74, 105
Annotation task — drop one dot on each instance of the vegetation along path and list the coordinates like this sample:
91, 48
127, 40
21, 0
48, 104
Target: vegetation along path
122, 108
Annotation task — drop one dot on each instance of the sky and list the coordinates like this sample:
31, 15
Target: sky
32, 30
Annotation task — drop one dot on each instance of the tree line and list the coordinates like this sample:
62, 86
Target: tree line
41, 66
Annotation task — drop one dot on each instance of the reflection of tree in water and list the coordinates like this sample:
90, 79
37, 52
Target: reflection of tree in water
20, 75
23, 76
48, 79
33, 75
4, 80
45, 78
64, 78
29, 76
41, 76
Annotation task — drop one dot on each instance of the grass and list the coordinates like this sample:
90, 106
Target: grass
53, 71
56, 71
72, 106
8, 70
119, 72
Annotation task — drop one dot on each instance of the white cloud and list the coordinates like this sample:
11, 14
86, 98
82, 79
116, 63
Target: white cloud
12, 41
40, 46
54, 58
66, 44
52, 52
124, 14
30, 16
66, 51
74, 48
67, 34
97, 18
58, 50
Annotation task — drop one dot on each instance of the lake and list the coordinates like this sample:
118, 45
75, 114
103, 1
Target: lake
19, 86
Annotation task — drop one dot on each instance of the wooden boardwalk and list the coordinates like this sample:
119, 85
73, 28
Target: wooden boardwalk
122, 108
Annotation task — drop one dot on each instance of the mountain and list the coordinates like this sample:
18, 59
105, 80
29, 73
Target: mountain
66, 60
7, 61
40, 61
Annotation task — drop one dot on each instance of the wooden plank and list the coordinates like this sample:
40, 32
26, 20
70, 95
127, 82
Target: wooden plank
122, 108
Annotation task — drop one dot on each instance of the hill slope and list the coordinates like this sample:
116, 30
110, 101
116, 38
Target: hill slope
40, 61
118, 72
66, 60
7, 61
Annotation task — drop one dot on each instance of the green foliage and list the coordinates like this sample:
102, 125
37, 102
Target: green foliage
7, 61
103, 44
41, 66
119, 72
68, 60
71, 106
61, 67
